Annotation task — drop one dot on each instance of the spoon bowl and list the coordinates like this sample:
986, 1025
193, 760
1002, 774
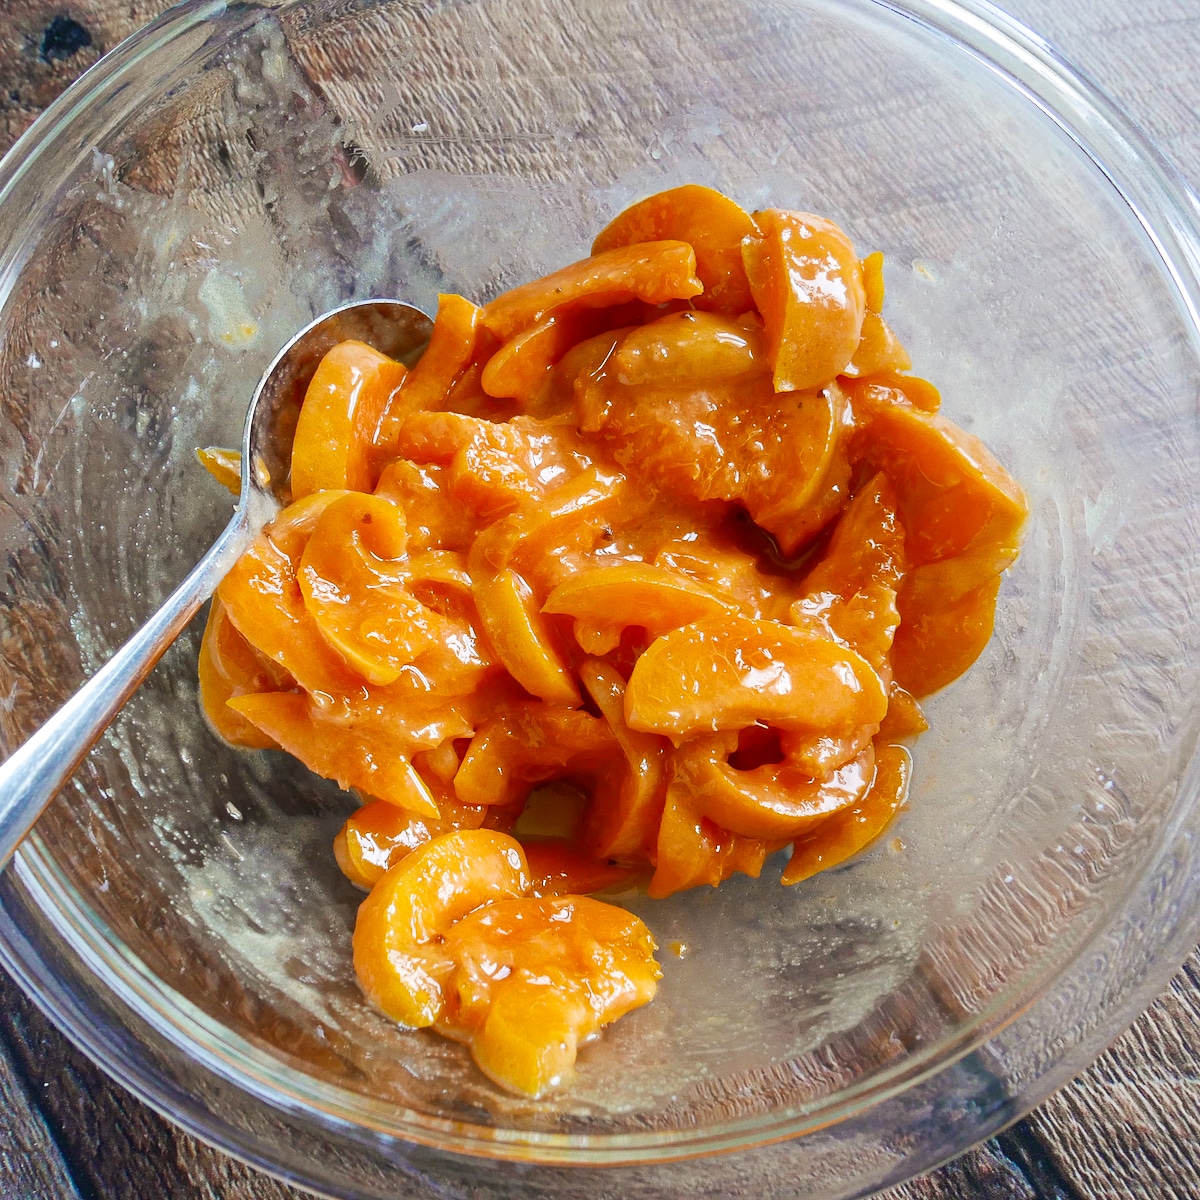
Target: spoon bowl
32, 775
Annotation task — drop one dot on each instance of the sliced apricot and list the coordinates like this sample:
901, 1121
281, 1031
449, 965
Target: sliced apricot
517, 631
867, 545
402, 924
229, 667
371, 763
635, 593
887, 389
694, 852
879, 350
354, 584
556, 868
265, 604
452, 345
873, 288
905, 717
339, 419
729, 672
771, 802
935, 644
712, 224
225, 466
518, 369
691, 349
528, 744
627, 801
535, 977
953, 493
652, 271
846, 833
380, 834
807, 283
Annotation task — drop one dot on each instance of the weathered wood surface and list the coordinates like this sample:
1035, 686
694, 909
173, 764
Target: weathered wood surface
1126, 1128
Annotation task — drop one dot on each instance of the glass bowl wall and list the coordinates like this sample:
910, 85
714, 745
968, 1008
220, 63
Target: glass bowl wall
234, 170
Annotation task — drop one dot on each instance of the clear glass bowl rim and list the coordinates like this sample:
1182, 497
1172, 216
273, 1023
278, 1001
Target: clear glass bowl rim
1169, 214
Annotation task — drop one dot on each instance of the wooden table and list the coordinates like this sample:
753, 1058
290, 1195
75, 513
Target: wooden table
1125, 1128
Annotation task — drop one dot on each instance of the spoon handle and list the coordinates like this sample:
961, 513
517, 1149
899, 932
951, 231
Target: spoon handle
33, 774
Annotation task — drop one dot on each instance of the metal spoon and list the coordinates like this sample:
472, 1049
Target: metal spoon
33, 774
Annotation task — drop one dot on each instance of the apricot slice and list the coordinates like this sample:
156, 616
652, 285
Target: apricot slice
380, 834
556, 868
867, 545
954, 495
635, 593
888, 389
879, 350
536, 977
693, 852
730, 672
526, 744
808, 285
518, 633
771, 802
691, 349
938, 641
263, 600
518, 369
435, 519
712, 224
452, 345
225, 466
627, 803
355, 587
371, 763
846, 833
873, 288
905, 717
401, 925
339, 419
229, 667
651, 271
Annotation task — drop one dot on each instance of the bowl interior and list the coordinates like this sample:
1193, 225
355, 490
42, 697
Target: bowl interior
261, 171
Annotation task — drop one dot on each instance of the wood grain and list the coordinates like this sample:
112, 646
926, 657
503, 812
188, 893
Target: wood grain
1125, 1129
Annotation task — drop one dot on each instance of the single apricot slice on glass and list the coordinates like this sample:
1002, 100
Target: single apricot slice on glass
729, 672
339, 419
401, 925
634, 593
879, 350
712, 224
651, 271
846, 833
535, 977
808, 285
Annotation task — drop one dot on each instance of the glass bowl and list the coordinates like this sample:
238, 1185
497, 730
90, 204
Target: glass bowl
233, 170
